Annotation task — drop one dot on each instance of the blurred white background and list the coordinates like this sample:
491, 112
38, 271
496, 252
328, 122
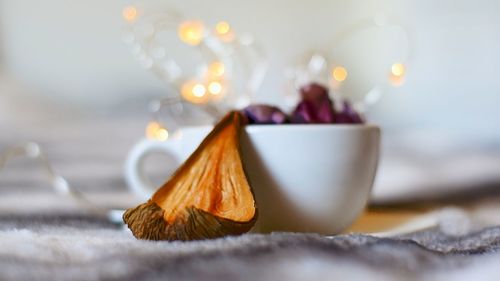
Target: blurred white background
72, 51
68, 57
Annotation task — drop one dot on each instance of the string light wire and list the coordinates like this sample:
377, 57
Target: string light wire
60, 185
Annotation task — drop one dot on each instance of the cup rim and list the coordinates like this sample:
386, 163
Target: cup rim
301, 127
311, 127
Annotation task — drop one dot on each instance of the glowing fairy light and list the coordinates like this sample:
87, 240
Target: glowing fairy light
398, 69
194, 92
155, 131
339, 73
199, 90
396, 76
191, 32
151, 129
222, 27
215, 88
224, 31
162, 134
129, 13
216, 69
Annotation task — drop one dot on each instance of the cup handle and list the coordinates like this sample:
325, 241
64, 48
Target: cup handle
137, 180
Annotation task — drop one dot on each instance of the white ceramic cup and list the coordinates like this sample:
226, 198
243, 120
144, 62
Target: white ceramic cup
306, 178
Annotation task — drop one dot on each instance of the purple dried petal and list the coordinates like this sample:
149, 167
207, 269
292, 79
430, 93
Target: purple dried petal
278, 117
349, 115
314, 93
303, 113
315, 107
264, 114
307, 112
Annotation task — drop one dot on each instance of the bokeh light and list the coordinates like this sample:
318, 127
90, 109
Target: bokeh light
191, 32
215, 88
154, 131
199, 90
129, 13
224, 31
222, 27
162, 134
398, 69
339, 73
194, 92
216, 68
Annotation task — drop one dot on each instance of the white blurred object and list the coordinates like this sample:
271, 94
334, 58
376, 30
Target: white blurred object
424, 165
450, 221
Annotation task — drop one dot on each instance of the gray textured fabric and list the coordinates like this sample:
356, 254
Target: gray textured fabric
77, 247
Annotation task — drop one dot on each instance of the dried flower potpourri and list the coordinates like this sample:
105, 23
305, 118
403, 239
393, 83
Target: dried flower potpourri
315, 107
264, 114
